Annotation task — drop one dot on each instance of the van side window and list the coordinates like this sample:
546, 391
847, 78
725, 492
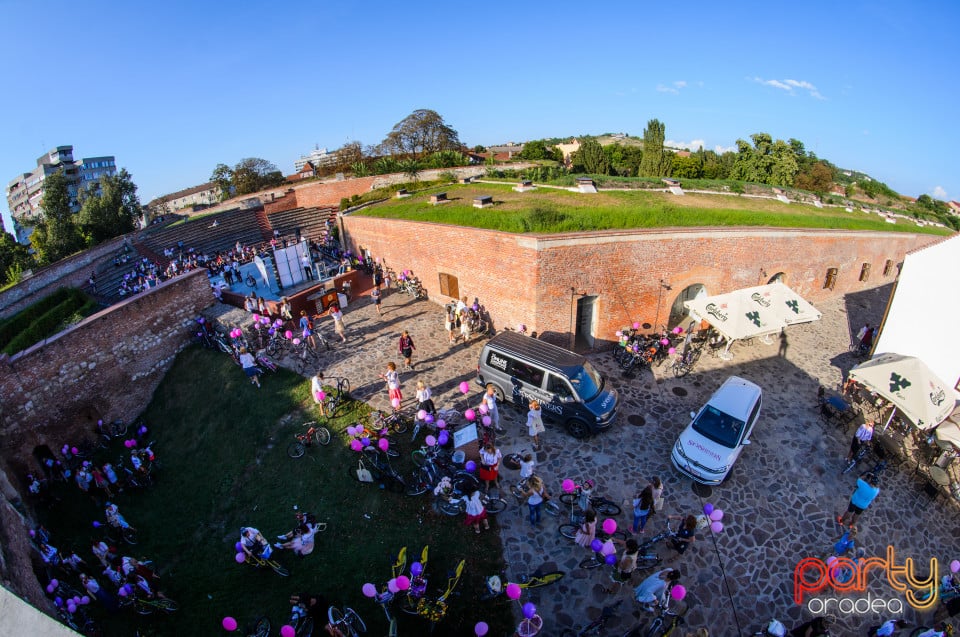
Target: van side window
496, 360
528, 374
754, 412
559, 387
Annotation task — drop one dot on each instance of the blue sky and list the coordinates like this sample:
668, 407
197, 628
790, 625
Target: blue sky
173, 88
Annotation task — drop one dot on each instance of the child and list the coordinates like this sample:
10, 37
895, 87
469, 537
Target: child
375, 295
476, 513
392, 379
424, 399
535, 423
527, 466
588, 529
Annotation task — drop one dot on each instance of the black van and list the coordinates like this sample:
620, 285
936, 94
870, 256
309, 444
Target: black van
568, 388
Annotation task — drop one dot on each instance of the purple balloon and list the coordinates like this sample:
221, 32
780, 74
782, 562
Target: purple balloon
240, 558
596, 545
529, 610
429, 419
443, 438
96, 524
471, 466
50, 588
707, 509
610, 559
416, 569
239, 547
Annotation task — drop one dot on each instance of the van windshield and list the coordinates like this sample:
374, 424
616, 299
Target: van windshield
719, 427
587, 382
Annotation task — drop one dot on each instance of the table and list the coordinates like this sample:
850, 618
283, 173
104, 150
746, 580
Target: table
939, 475
838, 403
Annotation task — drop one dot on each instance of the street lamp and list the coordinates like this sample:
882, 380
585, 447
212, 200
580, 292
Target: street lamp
663, 286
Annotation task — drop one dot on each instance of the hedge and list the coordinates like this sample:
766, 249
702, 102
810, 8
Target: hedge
42, 319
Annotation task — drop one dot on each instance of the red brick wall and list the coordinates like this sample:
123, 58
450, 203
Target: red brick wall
109, 364
318, 195
287, 201
528, 279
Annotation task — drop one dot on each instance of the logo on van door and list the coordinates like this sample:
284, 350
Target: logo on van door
496, 361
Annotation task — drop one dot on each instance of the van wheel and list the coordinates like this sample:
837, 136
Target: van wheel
577, 428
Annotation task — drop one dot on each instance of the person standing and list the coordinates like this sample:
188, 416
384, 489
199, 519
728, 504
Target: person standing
425, 399
626, 566
535, 423
392, 378
476, 513
642, 508
867, 491
286, 310
863, 435
316, 390
450, 323
587, 530
306, 328
249, 365
406, 348
307, 267
377, 299
490, 458
536, 494
489, 402
338, 326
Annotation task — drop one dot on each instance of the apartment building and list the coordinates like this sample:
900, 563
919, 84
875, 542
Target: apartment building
25, 191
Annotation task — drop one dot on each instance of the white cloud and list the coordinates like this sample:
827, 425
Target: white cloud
718, 149
693, 144
673, 88
788, 86
939, 193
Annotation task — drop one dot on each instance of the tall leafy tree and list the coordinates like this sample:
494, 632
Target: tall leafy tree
656, 161
590, 158
254, 174
56, 235
766, 161
818, 178
420, 133
222, 178
14, 259
624, 160
113, 211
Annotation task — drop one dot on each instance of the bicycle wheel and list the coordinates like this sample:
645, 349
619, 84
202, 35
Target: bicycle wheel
418, 485
305, 629
512, 461
322, 436
343, 387
605, 507
166, 605
448, 507
261, 628
277, 568
103, 441
645, 562
399, 424
590, 562
393, 482
656, 627
419, 457
465, 482
142, 607
569, 531
354, 620
551, 507
129, 535
495, 505
393, 450
568, 498
296, 449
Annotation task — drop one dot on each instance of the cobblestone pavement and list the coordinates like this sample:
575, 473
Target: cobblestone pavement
779, 502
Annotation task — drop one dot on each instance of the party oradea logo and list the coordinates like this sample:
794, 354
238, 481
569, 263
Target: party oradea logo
839, 584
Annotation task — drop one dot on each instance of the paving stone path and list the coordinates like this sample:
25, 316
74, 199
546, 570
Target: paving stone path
780, 500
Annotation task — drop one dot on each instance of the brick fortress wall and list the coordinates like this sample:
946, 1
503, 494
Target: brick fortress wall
528, 279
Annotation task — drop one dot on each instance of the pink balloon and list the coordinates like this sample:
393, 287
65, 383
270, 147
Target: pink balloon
356, 445
431, 441
664, 341
240, 558
288, 334
618, 333
486, 420
481, 629
678, 592
422, 414
636, 326
672, 350
287, 631
464, 387
716, 515
256, 317
483, 410
470, 415
441, 424
716, 527
396, 403
321, 395
609, 526
296, 341
513, 591
403, 582
229, 624
384, 444
831, 560
608, 548
369, 590
568, 486
392, 586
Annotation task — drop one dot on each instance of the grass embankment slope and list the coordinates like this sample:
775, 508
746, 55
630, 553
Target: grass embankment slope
548, 210
222, 444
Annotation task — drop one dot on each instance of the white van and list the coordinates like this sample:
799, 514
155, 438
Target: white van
712, 442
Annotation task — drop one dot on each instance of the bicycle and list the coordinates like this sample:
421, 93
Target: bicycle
456, 505
374, 466
149, 606
314, 433
107, 432
683, 364
307, 357
346, 621
259, 628
117, 532
78, 620
583, 494
337, 397
597, 626
518, 491
495, 585
397, 422
663, 625
373, 437
864, 449
265, 562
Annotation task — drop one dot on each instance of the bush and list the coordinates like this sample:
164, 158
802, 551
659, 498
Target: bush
74, 307
22, 319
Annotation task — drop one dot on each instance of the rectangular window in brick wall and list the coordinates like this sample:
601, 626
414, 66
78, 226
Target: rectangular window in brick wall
865, 272
831, 279
449, 286
888, 268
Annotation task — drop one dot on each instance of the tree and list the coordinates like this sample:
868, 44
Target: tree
536, 150
655, 161
349, 155
420, 133
254, 174
624, 160
685, 167
56, 235
479, 149
590, 158
817, 178
766, 161
14, 259
222, 178
115, 210
411, 168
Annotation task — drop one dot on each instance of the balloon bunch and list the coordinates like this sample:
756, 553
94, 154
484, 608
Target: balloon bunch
714, 515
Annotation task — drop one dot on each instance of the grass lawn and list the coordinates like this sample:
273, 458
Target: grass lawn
548, 210
222, 444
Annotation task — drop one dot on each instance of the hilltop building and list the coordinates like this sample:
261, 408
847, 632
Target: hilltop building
25, 191
203, 195
318, 158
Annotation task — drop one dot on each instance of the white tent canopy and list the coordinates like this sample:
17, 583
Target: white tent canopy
909, 385
756, 311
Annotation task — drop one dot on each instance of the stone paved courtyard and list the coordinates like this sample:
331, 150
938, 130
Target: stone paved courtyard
779, 501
